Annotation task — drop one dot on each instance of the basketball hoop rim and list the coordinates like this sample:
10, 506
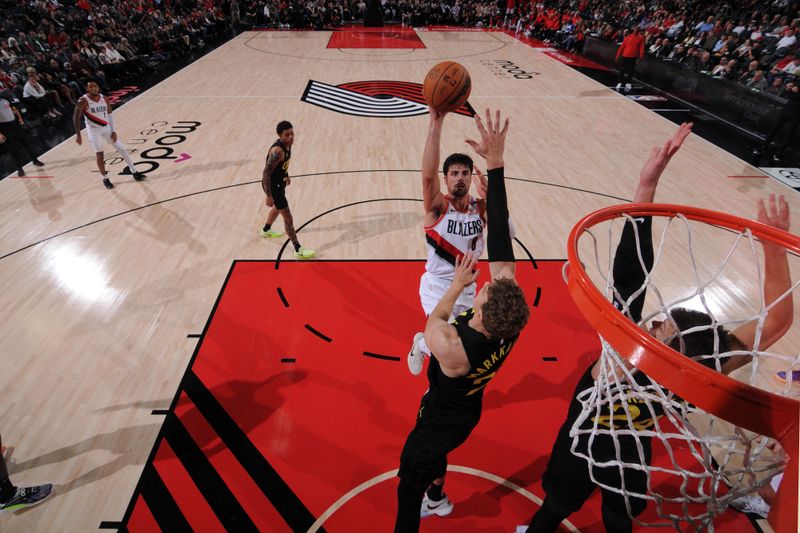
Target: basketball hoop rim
744, 405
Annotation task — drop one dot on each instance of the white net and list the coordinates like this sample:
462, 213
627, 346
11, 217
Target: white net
642, 441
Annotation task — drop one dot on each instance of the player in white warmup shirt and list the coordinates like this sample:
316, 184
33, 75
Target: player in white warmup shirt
96, 112
454, 225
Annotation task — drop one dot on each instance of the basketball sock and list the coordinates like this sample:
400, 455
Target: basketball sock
7, 490
124, 153
435, 492
267, 226
424, 347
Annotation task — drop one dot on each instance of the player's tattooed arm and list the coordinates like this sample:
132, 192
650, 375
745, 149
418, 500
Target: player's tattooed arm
274, 158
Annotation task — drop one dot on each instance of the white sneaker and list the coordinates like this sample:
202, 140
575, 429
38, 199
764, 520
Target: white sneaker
442, 508
618, 87
751, 504
521, 529
416, 357
627, 87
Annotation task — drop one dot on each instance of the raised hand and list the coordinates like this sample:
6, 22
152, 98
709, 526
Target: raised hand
493, 139
465, 274
776, 214
660, 157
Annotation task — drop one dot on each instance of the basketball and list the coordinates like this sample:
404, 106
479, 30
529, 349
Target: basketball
447, 86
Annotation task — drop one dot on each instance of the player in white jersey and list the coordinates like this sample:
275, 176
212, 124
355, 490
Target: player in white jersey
96, 111
454, 225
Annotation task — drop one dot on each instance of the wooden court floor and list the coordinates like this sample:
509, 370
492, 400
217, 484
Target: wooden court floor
102, 290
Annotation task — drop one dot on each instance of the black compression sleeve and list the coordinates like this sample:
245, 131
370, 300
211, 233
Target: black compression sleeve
629, 275
498, 235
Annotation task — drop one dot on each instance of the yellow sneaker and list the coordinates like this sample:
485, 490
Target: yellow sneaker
271, 234
304, 253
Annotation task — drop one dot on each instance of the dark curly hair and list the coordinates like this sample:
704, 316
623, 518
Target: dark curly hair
505, 311
283, 125
457, 159
701, 342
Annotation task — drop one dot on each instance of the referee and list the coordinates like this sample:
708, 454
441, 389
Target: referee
13, 136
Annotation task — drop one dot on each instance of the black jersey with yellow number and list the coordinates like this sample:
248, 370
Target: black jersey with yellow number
456, 399
278, 175
642, 414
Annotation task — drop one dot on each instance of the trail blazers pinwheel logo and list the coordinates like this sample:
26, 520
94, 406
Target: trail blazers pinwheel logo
383, 99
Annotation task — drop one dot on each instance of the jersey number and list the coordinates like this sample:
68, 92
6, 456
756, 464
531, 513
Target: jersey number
487, 378
608, 420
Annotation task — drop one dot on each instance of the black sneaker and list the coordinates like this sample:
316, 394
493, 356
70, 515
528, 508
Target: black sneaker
757, 150
138, 176
107, 183
776, 158
37, 163
20, 172
27, 497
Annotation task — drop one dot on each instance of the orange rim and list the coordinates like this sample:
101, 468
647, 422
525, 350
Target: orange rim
744, 405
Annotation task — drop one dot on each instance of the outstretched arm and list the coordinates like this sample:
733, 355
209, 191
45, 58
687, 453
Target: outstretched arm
629, 272
432, 198
777, 282
491, 148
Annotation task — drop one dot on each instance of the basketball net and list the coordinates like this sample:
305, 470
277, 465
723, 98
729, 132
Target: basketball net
700, 462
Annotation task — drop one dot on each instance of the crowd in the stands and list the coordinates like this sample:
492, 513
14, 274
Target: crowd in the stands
750, 42
50, 48
753, 42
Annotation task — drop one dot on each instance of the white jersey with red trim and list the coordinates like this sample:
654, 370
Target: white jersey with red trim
96, 113
453, 234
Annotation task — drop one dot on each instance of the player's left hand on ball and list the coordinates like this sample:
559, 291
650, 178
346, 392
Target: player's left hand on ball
113, 136
465, 273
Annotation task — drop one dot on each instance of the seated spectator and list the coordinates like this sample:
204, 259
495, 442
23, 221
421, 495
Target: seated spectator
744, 48
752, 68
677, 54
790, 56
704, 27
720, 70
740, 28
704, 63
675, 31
692, 59
655, 48
59, 77
109, 55
788, 40
757, 82
791, 67
666, 48
776, 87
732, 69
45, 102
6, 52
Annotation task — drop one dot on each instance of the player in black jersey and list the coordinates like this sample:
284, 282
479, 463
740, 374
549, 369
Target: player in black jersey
466, 354
567, 482
274, 181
